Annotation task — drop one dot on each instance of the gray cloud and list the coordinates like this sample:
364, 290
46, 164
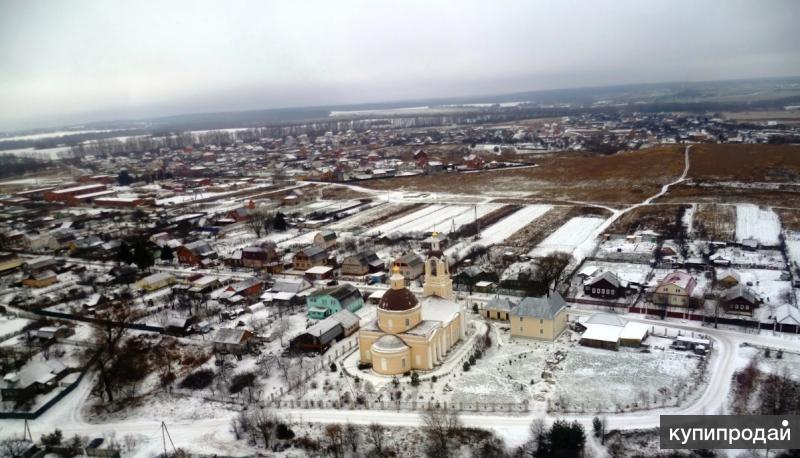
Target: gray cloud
72, 61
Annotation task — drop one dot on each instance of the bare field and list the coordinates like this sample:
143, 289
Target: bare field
624, 178
790, 218
746, 163
766, 115
715, 222
342, 193
537, 230
658, 218
784, 196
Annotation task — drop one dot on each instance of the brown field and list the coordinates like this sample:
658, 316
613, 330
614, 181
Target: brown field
785, 196
659, 218
766, 115
342, 192
714, 222
790, 218
624, 178
748, 163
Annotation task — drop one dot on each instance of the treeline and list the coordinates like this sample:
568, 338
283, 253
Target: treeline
11, 165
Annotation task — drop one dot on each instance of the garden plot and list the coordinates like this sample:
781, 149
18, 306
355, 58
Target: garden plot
593, 379
789, 362
793, 247
568, 237
767, 284
772, 259
501, 230
754, 223
435, 217
364, 217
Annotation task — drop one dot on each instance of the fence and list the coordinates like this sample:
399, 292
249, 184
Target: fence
509, 407
42, 409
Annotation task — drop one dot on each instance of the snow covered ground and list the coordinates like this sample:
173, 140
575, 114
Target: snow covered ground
442, 218
793, 247
501, 230
760, 224
568, 237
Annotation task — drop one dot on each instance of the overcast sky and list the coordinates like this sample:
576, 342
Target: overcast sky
73, 61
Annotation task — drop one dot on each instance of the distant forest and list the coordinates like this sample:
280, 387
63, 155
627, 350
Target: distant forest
11, 166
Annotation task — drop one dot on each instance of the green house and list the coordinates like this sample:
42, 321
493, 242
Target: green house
325, 302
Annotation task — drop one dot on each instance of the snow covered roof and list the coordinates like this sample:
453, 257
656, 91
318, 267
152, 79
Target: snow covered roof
634, 331
609, 319
389, 343
546, 307
500, 303
602, 332
435, 308
787, 314
681, 279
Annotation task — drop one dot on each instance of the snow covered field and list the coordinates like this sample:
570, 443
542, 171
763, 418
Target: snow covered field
594, 379
501, 230
753, 222
437, 217
364, 217
569, 236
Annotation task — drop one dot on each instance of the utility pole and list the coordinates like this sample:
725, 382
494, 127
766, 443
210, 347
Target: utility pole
164, 436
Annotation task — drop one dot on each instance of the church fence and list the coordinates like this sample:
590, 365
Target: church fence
413, 406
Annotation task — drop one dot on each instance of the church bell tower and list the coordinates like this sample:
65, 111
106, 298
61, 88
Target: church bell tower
437, 273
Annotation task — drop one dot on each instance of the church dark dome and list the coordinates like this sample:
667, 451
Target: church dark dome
398, 300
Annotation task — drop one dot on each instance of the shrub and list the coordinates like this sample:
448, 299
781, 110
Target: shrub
414, 379
242, 381
434, 379
333, 367
198, 380
284, 432
466, 366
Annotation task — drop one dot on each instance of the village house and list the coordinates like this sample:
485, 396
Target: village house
249, 288
610, 331
728, 278
155, 281
40, 279
410, 264
362, 264
259, 257
9, 262
325, 239
236, 341
195, 253
320, 336
499, 308
327, 301
310, 257
605, 285
319, 273
675, 290
543, 318
740, 300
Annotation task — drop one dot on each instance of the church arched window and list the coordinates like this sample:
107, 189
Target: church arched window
433, 267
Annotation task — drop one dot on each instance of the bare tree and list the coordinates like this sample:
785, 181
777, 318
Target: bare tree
260, 221
351, 436
108, 334
281, 328
264, 421
376, 435
439, 425
550, 268
334, 434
